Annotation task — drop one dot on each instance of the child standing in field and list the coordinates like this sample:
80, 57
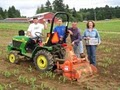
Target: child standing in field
91, 35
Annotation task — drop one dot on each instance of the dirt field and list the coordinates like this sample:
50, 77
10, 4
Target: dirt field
24, 76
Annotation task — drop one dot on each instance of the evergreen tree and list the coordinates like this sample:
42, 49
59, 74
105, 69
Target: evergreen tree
1, 17
58, 5
74, 12
6, 13
117, 12
108, 13
48, 6
83, 14
1, 13
40, 9
17, 13
12, 12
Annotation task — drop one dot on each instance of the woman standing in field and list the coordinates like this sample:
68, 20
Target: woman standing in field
92, 39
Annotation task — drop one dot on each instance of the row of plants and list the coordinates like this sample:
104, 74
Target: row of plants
31, 81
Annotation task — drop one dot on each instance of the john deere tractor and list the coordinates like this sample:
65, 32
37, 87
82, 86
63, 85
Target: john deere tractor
44, 56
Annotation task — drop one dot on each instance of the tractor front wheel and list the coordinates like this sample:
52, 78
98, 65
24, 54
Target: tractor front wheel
13, 57
43, 60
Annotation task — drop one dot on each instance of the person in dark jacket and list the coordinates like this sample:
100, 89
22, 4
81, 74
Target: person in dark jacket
75, 37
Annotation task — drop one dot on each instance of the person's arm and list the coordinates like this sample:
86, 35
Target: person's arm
78, 37
29, 31
54, 30
84, 36
98, 36
45, 26
70, 32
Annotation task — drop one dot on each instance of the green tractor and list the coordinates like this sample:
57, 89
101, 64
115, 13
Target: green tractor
44, 56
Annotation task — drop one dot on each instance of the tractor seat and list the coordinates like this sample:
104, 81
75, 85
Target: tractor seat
54, 39
21, 33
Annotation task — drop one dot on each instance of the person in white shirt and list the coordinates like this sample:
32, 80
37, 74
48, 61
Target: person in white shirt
31, 33
35, 27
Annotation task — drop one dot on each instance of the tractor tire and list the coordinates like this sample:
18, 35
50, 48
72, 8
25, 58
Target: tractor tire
13, 57
43, 61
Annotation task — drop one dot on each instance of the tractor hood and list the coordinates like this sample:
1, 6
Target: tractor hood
21, 38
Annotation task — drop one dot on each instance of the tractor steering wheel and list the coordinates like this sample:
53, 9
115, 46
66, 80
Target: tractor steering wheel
39, 35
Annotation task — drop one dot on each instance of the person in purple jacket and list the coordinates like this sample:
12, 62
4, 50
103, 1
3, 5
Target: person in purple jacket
75, 37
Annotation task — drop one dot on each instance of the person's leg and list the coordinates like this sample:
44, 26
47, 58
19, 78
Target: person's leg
81, 47
76, 50
30, 44
93, 55
88, 48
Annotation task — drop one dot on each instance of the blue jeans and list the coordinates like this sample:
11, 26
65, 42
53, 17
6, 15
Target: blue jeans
91, 51
76, 50
81, 47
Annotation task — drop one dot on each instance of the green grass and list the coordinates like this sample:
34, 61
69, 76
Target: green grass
111, 37
111, 26
14, 26
105, 26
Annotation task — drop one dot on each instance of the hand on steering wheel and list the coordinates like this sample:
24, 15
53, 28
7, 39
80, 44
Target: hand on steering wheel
39, 35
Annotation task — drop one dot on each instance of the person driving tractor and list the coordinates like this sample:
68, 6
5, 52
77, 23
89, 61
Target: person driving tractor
35, 27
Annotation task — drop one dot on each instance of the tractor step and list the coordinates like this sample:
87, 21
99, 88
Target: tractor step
57, 59
28, 54
61, 61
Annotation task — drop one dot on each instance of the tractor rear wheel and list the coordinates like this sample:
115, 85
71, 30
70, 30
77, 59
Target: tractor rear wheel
13, 57
43, 60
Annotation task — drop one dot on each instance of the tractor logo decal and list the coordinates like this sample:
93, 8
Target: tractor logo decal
23, 40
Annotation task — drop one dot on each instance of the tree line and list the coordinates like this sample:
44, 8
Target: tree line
12, 12
99, 13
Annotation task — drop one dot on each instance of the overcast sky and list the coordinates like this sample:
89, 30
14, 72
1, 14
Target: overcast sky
28, 7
